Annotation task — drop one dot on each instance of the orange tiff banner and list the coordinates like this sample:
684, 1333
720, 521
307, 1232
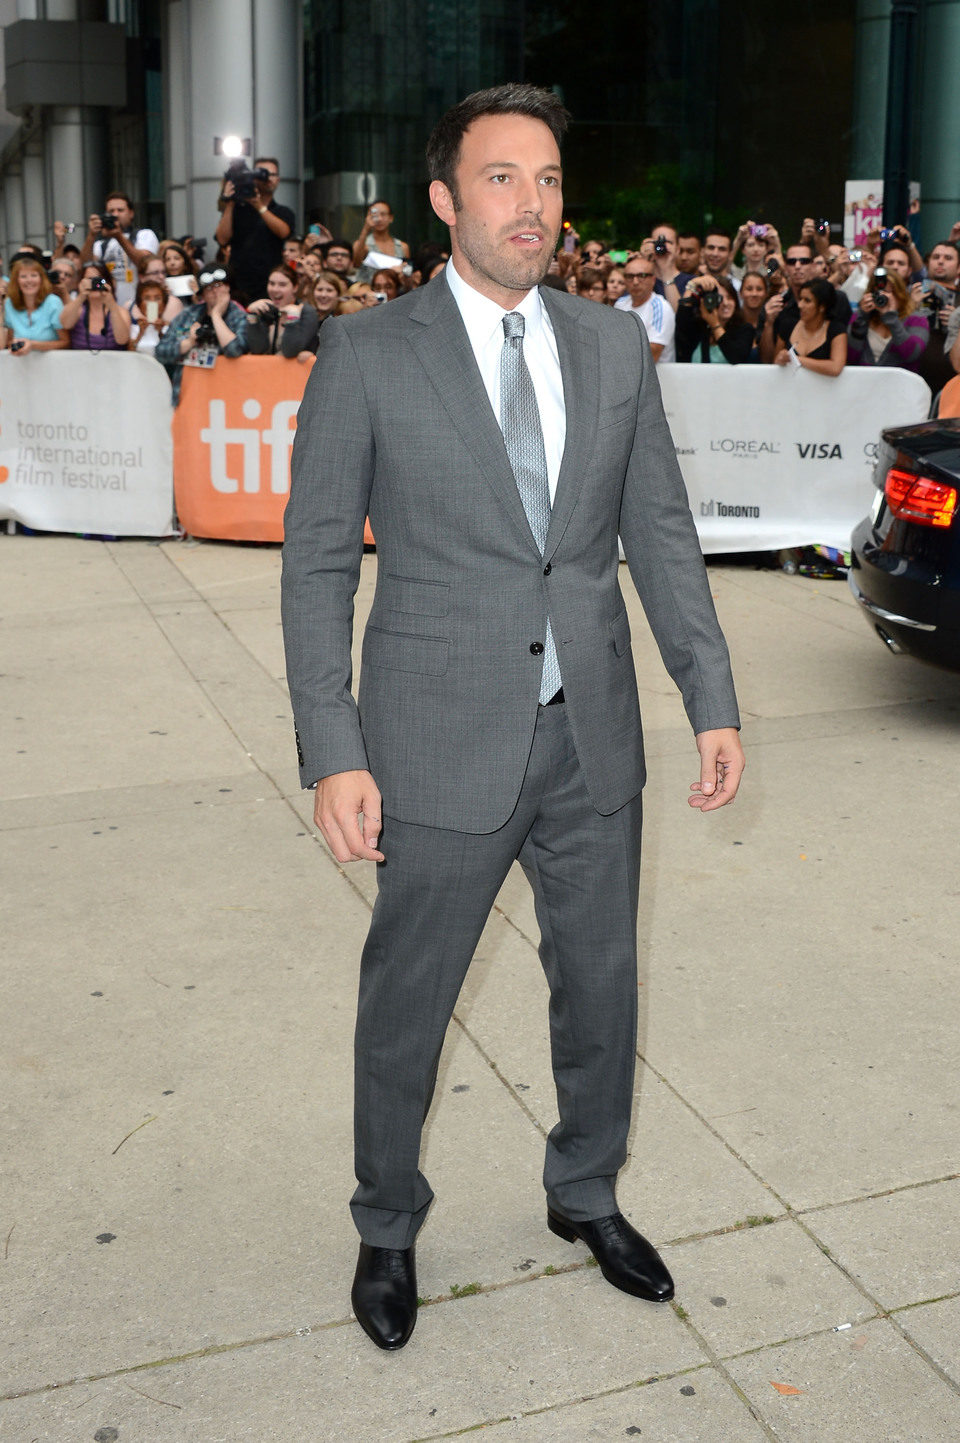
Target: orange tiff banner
232, 434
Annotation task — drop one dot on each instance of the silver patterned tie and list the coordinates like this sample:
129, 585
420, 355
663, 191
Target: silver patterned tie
523, 438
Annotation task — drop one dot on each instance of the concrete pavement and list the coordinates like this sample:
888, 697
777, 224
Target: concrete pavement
180, 964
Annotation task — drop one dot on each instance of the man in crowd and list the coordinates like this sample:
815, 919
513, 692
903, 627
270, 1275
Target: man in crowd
653, 311
718, 255
338, 257
255, 229
660, 248
112, 240
500, 434
940, 361
688, 253
64, 277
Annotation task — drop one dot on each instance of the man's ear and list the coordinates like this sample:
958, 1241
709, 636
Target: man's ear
442, 202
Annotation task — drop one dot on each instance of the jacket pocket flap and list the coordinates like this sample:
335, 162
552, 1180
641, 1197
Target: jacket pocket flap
401, 651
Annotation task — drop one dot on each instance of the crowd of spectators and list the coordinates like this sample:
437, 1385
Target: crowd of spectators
715, 299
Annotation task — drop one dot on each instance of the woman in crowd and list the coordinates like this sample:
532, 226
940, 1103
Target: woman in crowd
32, 313
590, 284
215, 324
152, 269
181, 276
710, 325
887, 329
94, 319
328, 291
363, 292
147, 314
310, 266
387, 283
753, 301
616, 285
818, 342
279, 324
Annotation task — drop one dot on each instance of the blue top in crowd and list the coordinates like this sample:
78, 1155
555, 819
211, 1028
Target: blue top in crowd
43, 324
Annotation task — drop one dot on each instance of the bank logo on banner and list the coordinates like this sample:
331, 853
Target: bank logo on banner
232, 437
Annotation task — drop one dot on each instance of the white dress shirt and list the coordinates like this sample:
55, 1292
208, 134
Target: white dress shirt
483, 319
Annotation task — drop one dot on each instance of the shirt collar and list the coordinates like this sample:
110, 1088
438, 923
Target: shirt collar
482, 317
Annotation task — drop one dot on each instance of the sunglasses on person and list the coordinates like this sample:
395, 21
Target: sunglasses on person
640, 275
798, 260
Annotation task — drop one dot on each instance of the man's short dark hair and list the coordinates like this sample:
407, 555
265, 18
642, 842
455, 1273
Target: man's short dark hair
948, 244
119, 195
267, 160
514, 98
337, 245
720, 234
688, 235
802, 245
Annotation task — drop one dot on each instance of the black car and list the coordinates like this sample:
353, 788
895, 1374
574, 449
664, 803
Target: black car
905, 569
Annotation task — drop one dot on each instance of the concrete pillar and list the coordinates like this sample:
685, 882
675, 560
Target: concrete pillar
76, 162
38, 223
231, 67
869, 89
277, 91
14, 210
176, 115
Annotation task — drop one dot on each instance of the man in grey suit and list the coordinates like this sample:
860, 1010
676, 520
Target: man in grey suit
500, 438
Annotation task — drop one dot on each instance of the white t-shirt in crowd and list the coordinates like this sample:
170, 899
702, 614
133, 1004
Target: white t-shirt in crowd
658, 320
121, 267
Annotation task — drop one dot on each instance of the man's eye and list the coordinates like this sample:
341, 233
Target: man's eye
498, 178
549, 180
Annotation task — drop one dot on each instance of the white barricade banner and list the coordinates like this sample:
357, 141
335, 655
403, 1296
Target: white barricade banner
773, 456
85, 443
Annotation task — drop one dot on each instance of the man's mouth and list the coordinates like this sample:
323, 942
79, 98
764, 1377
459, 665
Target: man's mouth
528, 237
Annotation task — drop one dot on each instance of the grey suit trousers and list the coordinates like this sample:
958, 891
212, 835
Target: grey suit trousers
436, 889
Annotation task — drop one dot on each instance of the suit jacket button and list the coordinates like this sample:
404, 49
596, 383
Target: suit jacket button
536, 647
547, 569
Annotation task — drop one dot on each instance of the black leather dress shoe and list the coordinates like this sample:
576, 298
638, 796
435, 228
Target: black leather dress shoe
384, 1294
626, 1259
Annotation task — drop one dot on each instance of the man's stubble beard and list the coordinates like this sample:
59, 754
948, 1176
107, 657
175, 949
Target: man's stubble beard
522, 275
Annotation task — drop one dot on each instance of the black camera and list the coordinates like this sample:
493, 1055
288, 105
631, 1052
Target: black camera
773, 265
99, 284
878, 283
660, 246
270, 315
206, 333
823, 226
711, 299
244, 179
108, 222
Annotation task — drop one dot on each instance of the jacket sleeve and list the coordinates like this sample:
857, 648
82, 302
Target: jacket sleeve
663, 553
737, 344
331, 476
301, 335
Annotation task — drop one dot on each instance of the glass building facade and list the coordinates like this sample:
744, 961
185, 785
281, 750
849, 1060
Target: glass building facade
698, 111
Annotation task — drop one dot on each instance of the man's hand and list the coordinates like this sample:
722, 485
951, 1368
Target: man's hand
341, 799
94, 225
721, 767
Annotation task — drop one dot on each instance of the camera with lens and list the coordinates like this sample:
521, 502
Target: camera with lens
888, 234
206, 333
823, 226
108, 222
878, 283
270, 315
244, 179
758, 230
711, 299
99, 284
660, 246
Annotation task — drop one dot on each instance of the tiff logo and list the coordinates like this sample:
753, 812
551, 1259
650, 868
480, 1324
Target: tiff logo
277, 437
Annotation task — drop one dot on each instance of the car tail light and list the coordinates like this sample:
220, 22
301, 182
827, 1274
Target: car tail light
919, 498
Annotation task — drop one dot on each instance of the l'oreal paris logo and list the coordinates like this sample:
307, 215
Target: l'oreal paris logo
732, 446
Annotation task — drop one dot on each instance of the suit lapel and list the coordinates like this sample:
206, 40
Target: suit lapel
578, 347
439, 339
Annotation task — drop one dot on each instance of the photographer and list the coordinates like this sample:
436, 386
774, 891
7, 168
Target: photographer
887, 330
653, 312
710, 326
660, 249
215, 326
111, 240
95, 320
278, 324
253, 224
937, 295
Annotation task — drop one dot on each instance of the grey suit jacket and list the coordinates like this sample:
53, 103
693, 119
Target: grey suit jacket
396, 423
